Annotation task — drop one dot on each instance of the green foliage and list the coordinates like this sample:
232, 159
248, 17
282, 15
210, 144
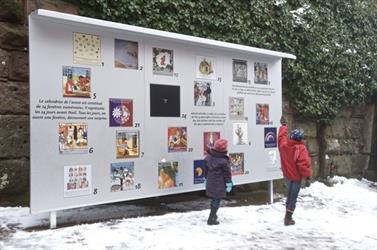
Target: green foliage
251, 23
12, 9
334, 41
335, 50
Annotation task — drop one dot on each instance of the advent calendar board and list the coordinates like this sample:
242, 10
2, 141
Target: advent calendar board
119, 112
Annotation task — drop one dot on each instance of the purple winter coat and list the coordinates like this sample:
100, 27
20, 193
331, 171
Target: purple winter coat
217, 173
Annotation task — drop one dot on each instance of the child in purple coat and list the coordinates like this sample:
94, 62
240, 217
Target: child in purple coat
218, 177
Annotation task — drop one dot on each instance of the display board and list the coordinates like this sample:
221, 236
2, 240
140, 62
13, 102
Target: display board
119, 112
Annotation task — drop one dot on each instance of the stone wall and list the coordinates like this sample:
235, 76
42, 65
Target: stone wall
348, 138
14, 96
14, 93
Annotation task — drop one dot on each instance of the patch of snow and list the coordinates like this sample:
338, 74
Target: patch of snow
280, 2
366, 66
4, 181
333, 144
342, 216
350, 51
298, 13
336, 180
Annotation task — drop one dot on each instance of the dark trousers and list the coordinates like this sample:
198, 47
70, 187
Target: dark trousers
293, 190
215, 202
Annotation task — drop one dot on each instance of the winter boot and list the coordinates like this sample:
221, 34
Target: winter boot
288, 221
212, 219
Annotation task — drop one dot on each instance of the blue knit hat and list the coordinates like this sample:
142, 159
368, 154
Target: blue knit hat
296, 135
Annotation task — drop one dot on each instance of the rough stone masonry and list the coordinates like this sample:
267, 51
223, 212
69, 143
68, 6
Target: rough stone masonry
14, 95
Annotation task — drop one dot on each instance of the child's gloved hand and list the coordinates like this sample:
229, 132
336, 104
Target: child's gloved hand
229, 186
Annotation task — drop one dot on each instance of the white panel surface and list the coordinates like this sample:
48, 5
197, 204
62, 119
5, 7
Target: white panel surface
51, 48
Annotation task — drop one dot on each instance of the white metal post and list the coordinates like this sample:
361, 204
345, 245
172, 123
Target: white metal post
271, 191
53, 220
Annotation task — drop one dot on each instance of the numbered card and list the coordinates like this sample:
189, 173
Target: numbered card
209, 139
236, 108
73, 138
177, 139
127, 144
76, 82
126, 54
240, 132
263, 114
121, 112
261, 73
206, 67
168, 175
203, 94
77, 180
239, 70
237, 166
199, 168
163, 61
270, 138
86, 49
165, 100
122, 176
273, 160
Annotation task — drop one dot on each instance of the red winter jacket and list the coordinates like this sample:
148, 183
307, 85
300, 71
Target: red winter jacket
294, 156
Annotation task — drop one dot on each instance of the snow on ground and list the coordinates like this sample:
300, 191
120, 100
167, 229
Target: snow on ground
343, 216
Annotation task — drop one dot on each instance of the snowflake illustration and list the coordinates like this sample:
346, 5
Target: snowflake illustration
117, 113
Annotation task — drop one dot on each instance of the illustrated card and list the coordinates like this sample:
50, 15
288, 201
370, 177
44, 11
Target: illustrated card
205, 67
237, 163
262, 114
86, 49
163, 61
209, 139
177, 139
73, 138
126, 54
168, 174
122, 176
239, 70
261, 73
203, 93
273, 160
121, 112
76, 82
127, 144
270, 138
240, 136
199, 167
77, 180
236, 108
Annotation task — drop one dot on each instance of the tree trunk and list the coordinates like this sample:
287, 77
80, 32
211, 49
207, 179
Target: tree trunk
371, 172
322, 148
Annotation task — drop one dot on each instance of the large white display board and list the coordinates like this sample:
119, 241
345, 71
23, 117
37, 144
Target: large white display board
119, 112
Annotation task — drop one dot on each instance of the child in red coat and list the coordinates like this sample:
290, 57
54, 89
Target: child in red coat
295, 163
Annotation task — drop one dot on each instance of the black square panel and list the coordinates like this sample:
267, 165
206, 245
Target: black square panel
165, 100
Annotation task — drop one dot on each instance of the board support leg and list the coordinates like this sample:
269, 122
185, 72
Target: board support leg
271, 191
53, 220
